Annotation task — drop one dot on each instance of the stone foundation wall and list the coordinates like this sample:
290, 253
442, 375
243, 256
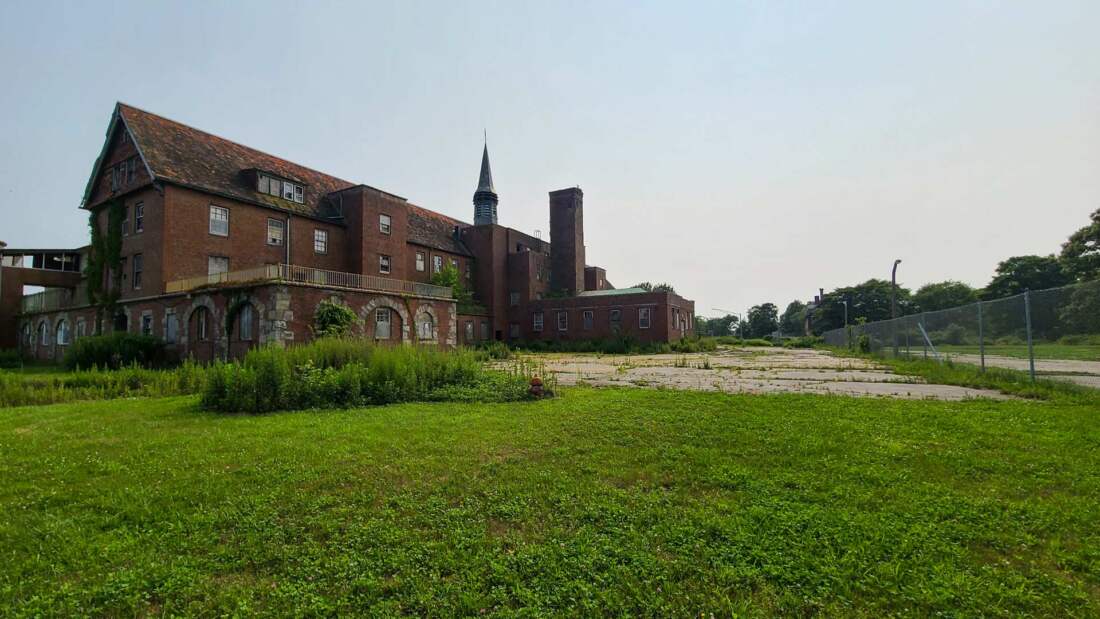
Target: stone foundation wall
282, 314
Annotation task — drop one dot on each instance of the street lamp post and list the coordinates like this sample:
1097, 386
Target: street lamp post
894, 304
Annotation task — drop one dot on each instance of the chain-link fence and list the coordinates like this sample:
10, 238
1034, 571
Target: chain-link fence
1054, 332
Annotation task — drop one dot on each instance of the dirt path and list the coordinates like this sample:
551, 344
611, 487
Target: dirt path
751, 370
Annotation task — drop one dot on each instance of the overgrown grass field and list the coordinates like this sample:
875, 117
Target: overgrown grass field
596, 502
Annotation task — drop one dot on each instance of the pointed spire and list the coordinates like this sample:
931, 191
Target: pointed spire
485, 198
485, 181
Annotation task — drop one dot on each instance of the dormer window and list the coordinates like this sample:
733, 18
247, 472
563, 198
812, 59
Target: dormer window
280, 188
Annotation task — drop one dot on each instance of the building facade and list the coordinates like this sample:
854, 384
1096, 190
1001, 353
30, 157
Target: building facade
217, 247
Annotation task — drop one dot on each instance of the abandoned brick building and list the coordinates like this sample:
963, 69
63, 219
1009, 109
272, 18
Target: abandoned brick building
216, 247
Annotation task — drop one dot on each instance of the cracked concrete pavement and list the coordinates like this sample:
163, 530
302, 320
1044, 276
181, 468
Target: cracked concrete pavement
751, 370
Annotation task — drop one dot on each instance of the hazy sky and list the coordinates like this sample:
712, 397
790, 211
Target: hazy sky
745, 152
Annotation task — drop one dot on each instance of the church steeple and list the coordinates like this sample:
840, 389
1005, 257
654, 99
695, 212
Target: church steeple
485, 198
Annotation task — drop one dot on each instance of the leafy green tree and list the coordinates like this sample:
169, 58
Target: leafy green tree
792, 321
650, 287
333, 319
449, 277
762, 320
1081, 253
869, 301
701, 325
1020, 273
943, 295
1081, 315
721, 326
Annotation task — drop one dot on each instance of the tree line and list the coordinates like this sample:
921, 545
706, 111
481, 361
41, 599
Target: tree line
1078, 261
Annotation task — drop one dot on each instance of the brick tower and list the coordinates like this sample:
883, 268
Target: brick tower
567, 240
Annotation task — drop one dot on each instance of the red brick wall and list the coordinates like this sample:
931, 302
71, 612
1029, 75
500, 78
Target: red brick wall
189, 245
567, 238
119, 148
661, 327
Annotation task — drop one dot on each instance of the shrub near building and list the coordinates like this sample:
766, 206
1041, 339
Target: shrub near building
335, 373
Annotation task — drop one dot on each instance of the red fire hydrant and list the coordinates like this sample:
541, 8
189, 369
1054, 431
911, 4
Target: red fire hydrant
536, 387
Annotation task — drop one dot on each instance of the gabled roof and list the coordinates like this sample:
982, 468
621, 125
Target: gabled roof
177, 153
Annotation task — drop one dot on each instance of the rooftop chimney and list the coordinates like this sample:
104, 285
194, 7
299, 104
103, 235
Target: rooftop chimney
567, 240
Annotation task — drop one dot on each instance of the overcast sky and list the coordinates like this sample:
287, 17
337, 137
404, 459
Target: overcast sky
743, 152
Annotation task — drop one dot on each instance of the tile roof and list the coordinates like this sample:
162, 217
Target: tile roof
178, 153
435, 230
187, 156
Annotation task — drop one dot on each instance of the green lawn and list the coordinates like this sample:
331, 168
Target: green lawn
1082, 352
597, 502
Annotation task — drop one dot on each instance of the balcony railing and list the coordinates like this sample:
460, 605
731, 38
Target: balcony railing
48, 300
289, 273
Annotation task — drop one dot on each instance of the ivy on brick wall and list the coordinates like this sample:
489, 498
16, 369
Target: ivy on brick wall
105, 258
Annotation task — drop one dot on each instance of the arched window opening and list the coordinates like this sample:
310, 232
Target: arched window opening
382, 323
424, 327
43, 334
62, 332
244, 323
201, 324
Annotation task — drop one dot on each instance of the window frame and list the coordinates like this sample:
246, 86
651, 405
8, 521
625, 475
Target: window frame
245, 317
588, 320
171, 328
421, 262
385, 264
322, 236
201, 327
211, 258
137, 268
215, 209
139, 217
437, 264
513, 299
647, 313
379, 313
538, 321
425, 320
563, 320
281, 227
385, 224
146, 320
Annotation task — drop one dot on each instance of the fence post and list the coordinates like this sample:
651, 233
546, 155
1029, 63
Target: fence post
921, 324
981, 336
908, 355
1027, 322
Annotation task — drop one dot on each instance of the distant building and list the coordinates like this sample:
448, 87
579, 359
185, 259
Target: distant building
223, 247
